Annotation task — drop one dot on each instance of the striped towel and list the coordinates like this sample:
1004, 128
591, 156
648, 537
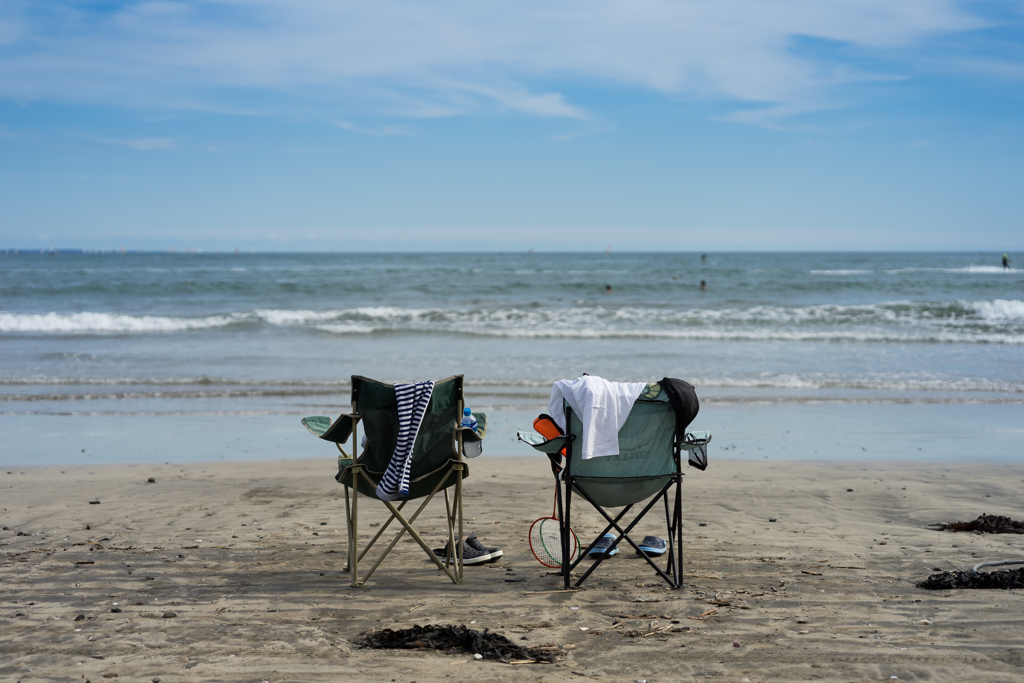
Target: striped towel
412, 404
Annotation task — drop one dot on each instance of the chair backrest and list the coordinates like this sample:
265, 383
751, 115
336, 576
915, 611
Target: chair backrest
645, 462
376, 403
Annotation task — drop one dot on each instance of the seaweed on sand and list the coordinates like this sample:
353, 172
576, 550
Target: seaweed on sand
993, 524
453, 638
1006, 579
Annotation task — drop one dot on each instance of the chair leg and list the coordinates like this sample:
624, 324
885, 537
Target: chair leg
348, 529
624, 533
679, 528
407, 526
454, 517
352, 518
450, 519
567, 564
608, 528
353, 532
380, 532
453, 509
614, 523
460, 546
670, 543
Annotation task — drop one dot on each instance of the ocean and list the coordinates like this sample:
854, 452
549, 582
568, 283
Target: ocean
146, 357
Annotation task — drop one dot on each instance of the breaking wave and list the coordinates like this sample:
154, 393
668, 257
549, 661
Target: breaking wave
976, 270
964, 269
111, 323
999, 321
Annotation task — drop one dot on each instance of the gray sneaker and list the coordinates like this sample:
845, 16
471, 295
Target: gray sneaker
473, 542
470, 555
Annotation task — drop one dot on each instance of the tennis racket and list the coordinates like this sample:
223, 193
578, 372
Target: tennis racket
546, 541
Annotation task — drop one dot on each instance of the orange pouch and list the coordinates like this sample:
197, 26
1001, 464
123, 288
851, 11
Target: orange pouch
546, 427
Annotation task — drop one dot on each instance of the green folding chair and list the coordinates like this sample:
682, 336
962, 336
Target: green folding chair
648, 466
437, 464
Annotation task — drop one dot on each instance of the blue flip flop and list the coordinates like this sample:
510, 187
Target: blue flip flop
653, 546
600, 548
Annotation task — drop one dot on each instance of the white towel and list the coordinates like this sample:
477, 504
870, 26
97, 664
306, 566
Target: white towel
602, 407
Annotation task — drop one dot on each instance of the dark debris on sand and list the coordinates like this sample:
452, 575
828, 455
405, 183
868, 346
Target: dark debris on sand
993, 524
452, 639
1006, 579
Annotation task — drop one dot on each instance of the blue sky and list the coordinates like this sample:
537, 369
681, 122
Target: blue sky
641, 124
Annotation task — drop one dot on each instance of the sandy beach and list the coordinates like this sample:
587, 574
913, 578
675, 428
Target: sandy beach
232, 571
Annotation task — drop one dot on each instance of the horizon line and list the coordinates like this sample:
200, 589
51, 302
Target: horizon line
195, 251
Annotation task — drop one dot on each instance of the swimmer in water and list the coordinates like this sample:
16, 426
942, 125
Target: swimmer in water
1006, 262
703, 258
607, 289
703, 285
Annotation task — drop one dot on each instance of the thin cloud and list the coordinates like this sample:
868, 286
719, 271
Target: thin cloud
519, 99
140, 144
406, 58
381, 131
1003, 69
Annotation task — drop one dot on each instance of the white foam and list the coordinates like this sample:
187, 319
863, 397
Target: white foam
841, 272
279, 317
339, 328
944, 322
965, 269
1000, 321
875, 383
1000, 310
979, 269
110, 323
761, 335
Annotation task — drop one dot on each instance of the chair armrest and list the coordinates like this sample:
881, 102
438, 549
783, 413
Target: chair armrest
543, 445
474, 435
337, 431
697, 445
694, 440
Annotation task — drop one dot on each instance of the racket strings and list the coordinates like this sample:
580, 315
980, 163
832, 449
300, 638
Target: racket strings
546, 541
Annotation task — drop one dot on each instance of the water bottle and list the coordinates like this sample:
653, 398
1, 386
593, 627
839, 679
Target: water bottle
468, 420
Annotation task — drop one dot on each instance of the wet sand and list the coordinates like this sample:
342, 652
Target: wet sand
247, 558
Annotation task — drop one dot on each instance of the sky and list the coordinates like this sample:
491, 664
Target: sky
309, 125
